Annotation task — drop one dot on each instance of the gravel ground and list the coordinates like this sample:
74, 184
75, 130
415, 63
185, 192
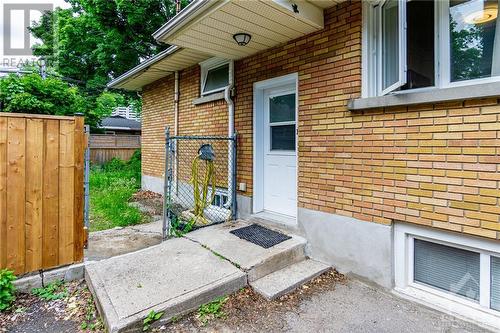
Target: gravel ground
330, 303
74, 313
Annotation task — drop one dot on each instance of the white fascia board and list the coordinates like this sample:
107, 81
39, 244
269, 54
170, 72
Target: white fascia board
143, 66
180, 20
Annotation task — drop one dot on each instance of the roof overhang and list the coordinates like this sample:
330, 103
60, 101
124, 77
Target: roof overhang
164, 63
209, 26
205, 29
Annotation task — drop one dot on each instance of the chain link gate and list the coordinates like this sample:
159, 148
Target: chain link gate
200, 182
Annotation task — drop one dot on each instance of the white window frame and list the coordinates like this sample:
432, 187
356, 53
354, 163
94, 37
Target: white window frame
208, 65
268, 124
222, 193
402, 47
371, 78
404, 236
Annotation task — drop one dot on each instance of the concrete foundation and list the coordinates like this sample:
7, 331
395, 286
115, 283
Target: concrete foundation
154, 184
244, 206
350, 245
66, 273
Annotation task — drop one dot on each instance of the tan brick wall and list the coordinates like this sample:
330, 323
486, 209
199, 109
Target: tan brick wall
434, 165
157, 112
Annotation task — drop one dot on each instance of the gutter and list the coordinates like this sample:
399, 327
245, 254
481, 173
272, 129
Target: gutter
143, 66
179, 20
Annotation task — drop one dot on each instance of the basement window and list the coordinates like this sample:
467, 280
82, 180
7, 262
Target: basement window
449, 270
214, 76
220, 198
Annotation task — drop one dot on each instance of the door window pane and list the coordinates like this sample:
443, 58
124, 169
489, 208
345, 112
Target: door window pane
448, 268
495, 283
217, 78
282, 108
474, 39
283, 137
390, 44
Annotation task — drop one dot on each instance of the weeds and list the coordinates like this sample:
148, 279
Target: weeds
212, 310
111, 187
53, 291
91, 321
7, 289
179, 228
150, 319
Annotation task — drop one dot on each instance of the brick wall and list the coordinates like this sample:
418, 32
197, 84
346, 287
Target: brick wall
157, 112
434, 165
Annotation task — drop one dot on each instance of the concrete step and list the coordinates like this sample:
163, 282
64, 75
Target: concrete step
289, 278
256, 261
174, 277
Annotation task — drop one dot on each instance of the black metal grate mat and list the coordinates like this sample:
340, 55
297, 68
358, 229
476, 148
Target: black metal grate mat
259, 235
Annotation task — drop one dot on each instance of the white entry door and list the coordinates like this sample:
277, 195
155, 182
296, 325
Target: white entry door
280, 151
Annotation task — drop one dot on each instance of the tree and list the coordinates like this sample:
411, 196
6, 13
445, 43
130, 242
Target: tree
32, 94
97, 40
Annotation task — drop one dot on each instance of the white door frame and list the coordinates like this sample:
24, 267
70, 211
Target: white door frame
258, 133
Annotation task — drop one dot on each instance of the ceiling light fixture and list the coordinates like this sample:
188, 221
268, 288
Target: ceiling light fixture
488, 13
242, 38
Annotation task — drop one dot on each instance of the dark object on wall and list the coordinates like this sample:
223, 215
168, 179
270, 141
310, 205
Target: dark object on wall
206, 152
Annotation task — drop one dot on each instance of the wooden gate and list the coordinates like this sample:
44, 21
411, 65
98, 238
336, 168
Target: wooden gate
41, 191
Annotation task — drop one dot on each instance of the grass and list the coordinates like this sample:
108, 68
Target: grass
111, 187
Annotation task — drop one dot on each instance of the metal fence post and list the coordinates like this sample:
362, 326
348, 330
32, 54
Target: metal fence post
234, 171
86, 183
166, 187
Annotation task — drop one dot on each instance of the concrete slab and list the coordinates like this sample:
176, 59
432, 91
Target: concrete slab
174, 277
253, 259
112, 242
289, 278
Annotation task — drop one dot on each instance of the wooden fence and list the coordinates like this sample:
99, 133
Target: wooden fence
41, 191
104, 147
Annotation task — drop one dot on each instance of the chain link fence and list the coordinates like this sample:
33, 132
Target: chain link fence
200, 182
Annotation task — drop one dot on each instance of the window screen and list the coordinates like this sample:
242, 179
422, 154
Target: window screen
448, 268
282, 108
283, 137
217, 78
495, 283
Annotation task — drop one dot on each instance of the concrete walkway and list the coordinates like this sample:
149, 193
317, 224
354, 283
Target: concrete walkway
173, 277
180, 274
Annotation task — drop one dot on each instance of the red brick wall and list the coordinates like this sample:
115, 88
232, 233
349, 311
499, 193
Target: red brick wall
434, 165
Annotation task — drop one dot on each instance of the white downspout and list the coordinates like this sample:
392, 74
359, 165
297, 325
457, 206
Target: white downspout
230, 132
176, 127
176, 103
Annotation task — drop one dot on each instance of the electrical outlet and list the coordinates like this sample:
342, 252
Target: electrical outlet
242, 187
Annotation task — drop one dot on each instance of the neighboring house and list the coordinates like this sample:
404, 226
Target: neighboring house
120, 125
373, 127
